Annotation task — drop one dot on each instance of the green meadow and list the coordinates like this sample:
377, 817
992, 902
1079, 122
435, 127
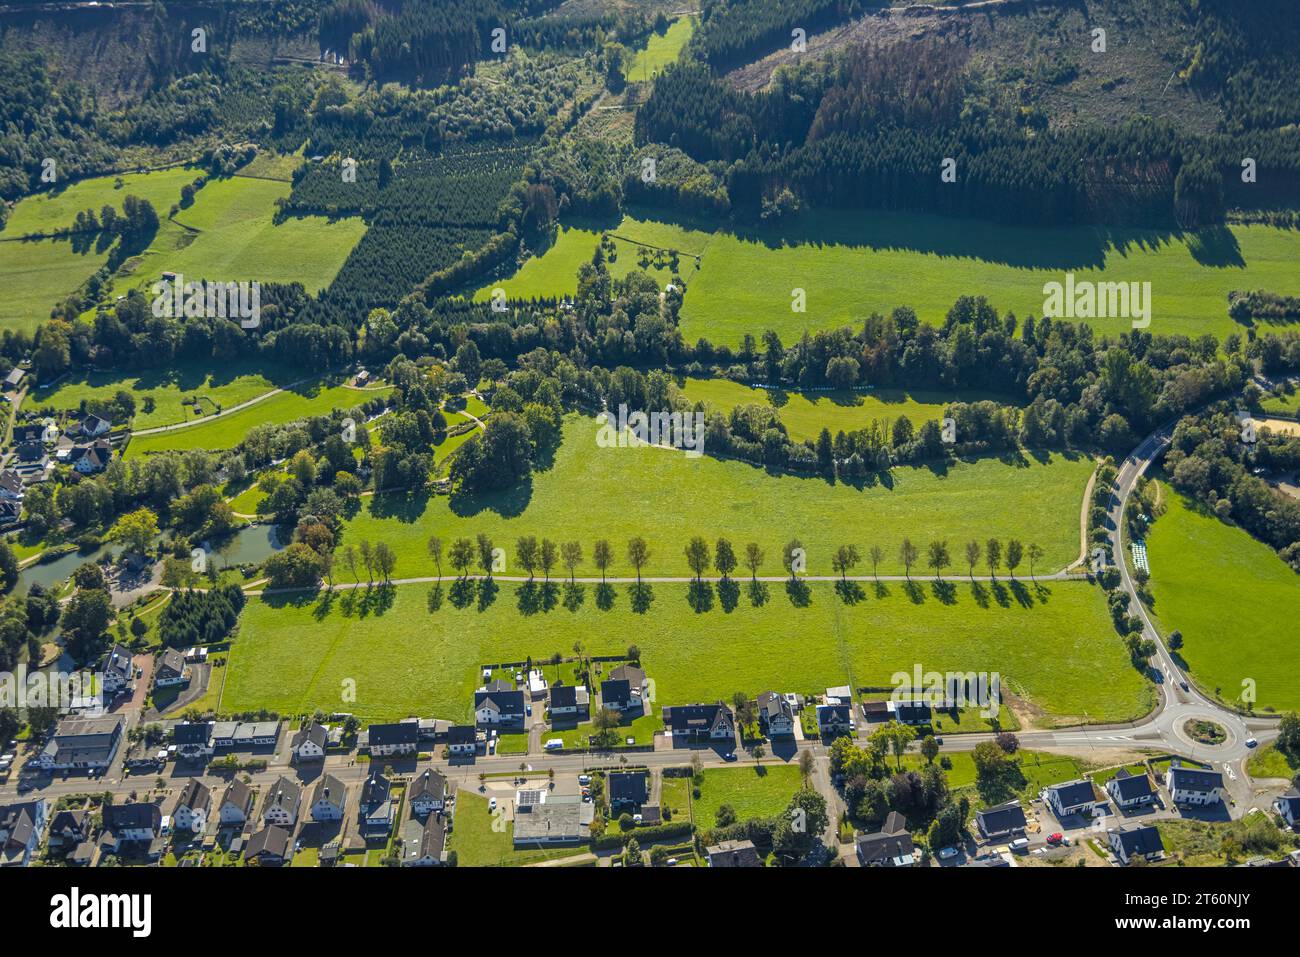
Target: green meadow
753, 791
850, 264
805, 414
237, 381
44, 213
226, 431
660, 51
36, 275
1052, 642
1233, 599
589, 492
229, 235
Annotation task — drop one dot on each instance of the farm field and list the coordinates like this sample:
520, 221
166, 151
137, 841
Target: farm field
852, 264
806, 414
36, 275
44, 213
1234, 601
754, 791
668, 498
237, 381
294, 653
660, 51
226, 431
228, 235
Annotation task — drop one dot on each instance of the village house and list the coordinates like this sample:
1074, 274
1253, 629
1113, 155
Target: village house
1288, 807
1070, 798
328, 799
310, 742
625, 689
21, 826
270, 846
280, 806
1003, 822
1194, 785
427, 793
1130, 791
236, 804
118, 670
389, 739
734, 854
775, 715
570, 701
701, 722
891, 846
193, 739
192, 807
462, 739
375, 812
82, 744
169, 669
499, 709
1135, 840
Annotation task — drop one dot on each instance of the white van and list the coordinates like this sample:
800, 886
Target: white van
1019, 845
554, 744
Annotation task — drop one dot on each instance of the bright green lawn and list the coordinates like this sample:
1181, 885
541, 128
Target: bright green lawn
806, 414
1269, 762
592, 492
44, 213
477, 845
660, 51
227, 431
853, 263
237, 381
752, 791
295, 655
37, 275
231, 237
1233, 599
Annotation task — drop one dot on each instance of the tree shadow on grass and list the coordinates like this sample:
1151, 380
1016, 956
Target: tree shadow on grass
434, 600
699, 595
508, 503
728, 594
574, 596
1021, 593
850, 592
323, 607
979, 593
798, 591
758, 593
487, 593
881, 589
945, 591
605, 596
915, 593
377, 600
462, 593
292, 599
1000, 594
642, 596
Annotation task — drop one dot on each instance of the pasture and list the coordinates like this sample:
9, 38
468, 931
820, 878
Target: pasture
1054, 643
851, 264
36, 275
805, 414
660, 51
589, 492
45, 213
1233, 599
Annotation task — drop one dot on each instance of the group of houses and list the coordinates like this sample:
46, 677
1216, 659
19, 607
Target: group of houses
39, 448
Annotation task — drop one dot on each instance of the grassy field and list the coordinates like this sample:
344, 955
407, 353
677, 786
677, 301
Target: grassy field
754, 791
1234, 601
1038, 769
44, 213
1269, 762
37, 275
591, 492
853, 263
228, 235
296, 654
660, 51
554, 272
227, 431
806, 414
237, 381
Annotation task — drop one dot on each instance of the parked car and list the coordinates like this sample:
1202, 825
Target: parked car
1055, 839
492, 804
554, 744
948, 853
1020, 845
729, 756
584, 779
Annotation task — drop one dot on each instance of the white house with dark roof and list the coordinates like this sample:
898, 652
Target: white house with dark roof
328, 799
1071, 797
375, 810
193, 739
384, 740
499, 709
82, 744
427, 793
281, 803
462, 740
776, 715
1130, 791
1195, 786
570, 701
93, 426
169, 669
626, 688
310, 742
21, 826
1002, 822
1135, 840
119, 672
424, 842
193, 806
700, 722
236, 804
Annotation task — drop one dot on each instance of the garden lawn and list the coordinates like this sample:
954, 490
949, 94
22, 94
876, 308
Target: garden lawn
236, 382
1233, 599
591, 492
752, 791
806, 414
477, 845
298, 653
851, 264
227, 431
37, 275
1269, 762
48, 212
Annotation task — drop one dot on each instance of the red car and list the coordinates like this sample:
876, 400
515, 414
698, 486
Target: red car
1054, 839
